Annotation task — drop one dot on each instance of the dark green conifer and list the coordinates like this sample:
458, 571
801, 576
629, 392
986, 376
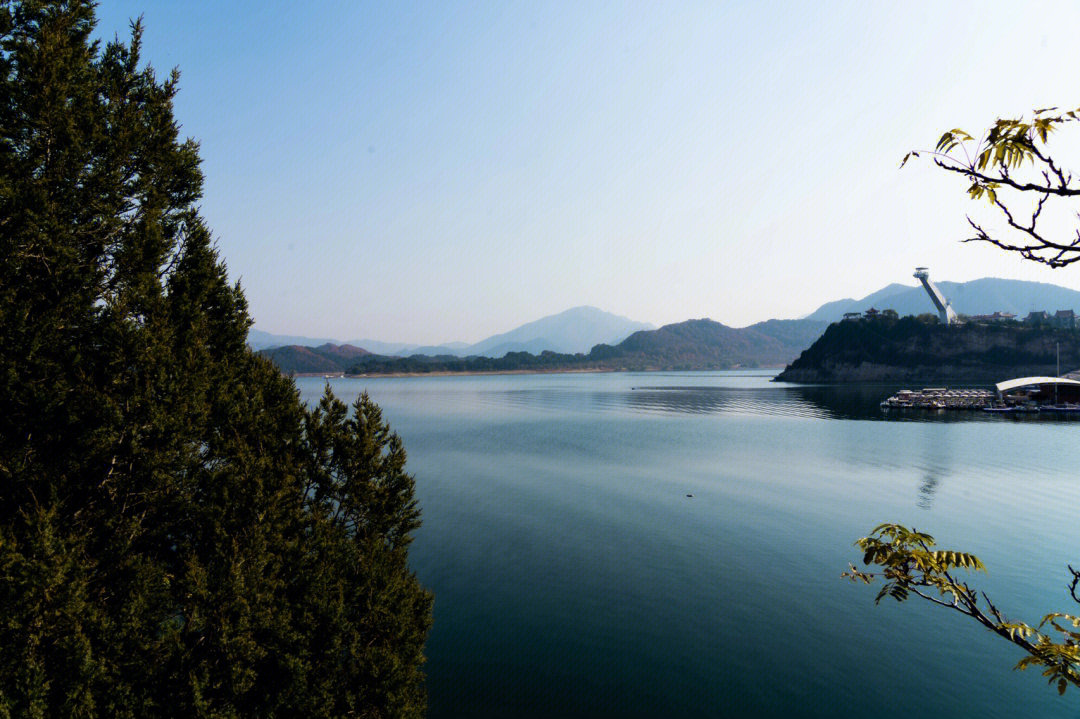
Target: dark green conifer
179, 536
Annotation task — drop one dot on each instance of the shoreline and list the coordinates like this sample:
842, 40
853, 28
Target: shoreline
481, 373
448, 373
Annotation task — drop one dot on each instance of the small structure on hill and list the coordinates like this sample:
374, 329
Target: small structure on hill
996, 317
1065, 319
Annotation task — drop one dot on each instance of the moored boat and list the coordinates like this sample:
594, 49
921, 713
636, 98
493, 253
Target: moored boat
1067, 408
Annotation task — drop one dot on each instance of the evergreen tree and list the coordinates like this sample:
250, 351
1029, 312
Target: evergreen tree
179, 535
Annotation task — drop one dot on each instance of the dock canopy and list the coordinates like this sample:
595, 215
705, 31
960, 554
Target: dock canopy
1045, 385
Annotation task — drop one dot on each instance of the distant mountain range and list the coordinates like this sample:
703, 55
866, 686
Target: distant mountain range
569, 332
978, 297
584, 335
575, 330
260, 340
694, 344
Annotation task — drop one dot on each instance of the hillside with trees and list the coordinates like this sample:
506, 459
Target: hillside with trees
326, 358
922, 350
691, 345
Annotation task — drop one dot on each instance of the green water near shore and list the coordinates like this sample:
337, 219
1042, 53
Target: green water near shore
573, 575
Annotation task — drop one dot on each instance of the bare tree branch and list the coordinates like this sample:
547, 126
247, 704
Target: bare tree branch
910, 564
999, 163
969, 171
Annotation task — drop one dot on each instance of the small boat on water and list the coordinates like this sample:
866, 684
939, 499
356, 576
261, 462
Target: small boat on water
1067, 408
1014, 409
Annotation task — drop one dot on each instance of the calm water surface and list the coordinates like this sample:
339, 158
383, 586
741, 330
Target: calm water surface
574, 577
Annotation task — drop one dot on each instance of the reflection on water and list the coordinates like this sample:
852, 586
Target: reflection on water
574, 577
734, 400
687, 393
937, 464
926, 491
815, 402
781, 400
789, 401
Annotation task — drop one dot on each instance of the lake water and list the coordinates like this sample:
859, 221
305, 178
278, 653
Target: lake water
574, 577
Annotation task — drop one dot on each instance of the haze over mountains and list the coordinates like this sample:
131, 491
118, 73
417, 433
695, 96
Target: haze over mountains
575, 330
689, 345
580, 329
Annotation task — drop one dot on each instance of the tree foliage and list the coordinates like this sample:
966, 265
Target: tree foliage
911, 565
179, 535
1010, 166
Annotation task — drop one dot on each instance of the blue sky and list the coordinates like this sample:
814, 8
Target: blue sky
445, 171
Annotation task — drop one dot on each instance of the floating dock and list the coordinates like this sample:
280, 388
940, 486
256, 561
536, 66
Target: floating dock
940, 398
1022, 395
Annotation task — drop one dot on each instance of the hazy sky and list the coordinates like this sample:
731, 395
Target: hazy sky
445, 171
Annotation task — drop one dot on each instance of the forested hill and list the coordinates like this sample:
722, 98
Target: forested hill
326, 358
691, 345
910, 349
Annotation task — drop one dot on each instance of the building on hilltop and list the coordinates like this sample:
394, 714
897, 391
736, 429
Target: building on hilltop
1062, 318
996, 317
852, 315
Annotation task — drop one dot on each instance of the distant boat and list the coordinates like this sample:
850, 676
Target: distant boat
1014, 409
1066, 408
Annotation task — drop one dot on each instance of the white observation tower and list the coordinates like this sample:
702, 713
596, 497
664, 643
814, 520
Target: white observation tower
944, 307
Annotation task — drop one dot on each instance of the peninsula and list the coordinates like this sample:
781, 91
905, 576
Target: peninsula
887, 348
